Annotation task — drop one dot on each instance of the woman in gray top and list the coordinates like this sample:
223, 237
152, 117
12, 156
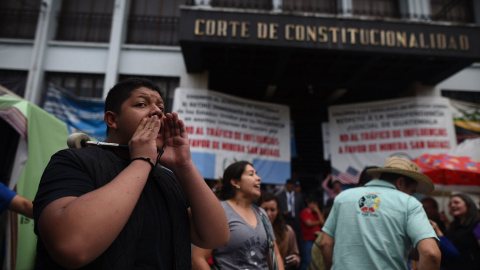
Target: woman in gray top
248, 245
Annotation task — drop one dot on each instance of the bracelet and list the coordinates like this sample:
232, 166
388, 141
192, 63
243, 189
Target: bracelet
144, 159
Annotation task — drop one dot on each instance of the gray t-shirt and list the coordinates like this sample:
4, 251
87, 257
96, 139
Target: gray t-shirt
248, 246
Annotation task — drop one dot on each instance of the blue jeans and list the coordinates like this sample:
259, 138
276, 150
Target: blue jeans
306, 254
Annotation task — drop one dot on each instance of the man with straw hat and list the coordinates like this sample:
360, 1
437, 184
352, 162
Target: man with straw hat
374, 227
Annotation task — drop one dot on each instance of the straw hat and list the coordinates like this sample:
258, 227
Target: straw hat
407, 168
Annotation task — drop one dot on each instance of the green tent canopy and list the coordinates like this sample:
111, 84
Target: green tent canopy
41, 135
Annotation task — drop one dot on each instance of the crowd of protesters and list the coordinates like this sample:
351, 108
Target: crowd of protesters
89, 213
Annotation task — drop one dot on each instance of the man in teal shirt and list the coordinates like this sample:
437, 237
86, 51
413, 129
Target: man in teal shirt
375, 226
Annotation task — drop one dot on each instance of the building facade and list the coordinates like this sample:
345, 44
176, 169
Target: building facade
303, 53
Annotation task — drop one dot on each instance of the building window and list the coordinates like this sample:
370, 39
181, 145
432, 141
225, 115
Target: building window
329, 6
14, 80
452, 10
154, 22
81, 85
18, 19
467, 96
167, 87
85, 20
377, 8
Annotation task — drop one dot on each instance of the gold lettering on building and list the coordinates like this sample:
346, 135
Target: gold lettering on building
334, 35
234, 25
422, 41
210, 28
288, 27
244, 30
401, 39
441, 41
353, 32
390, 38
363, 37
222, 28
334, 31
273, 31
322, 35
373, 34
262, 30
344, 35
464, 46
197, 30
413, 41
265, 30
311, 33
452, 44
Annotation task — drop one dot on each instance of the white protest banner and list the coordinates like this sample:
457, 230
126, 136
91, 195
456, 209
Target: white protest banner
365, 134
223, 129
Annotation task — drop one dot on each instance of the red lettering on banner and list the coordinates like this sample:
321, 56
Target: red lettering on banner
340, 150
438, 132
354, 137
372, 148
396, 133
238, 135
219, 133
417, 144
189, 129
200, 143
343, 138
375, 135
438, 144
199, 131
227, 134
215, 145
269, 152
252, 150
393, 146
261, 139
355, 148
233, 147
247, 137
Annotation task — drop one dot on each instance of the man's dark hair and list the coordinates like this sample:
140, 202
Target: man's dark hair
234, 171
122, 90
290, 181
365, 177
431, 200
311, 198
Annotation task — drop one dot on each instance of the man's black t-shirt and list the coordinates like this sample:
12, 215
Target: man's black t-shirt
147, 240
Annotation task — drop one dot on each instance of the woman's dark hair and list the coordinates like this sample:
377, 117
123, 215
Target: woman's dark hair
472, 210
122, 90
234, 171
279, 227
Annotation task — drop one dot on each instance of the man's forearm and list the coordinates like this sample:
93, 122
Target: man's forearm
326, 246
208, 220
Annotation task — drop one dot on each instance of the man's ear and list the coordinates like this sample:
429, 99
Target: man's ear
110, 119
400, 184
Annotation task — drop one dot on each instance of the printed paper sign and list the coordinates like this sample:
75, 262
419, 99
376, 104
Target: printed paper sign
365, 134
223, 129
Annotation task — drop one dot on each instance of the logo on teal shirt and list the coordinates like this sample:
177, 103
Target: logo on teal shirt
369, 203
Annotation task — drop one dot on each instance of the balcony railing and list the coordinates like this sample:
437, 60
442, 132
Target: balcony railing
329, 6
153, 30
89, 27
250, 4
16, 23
